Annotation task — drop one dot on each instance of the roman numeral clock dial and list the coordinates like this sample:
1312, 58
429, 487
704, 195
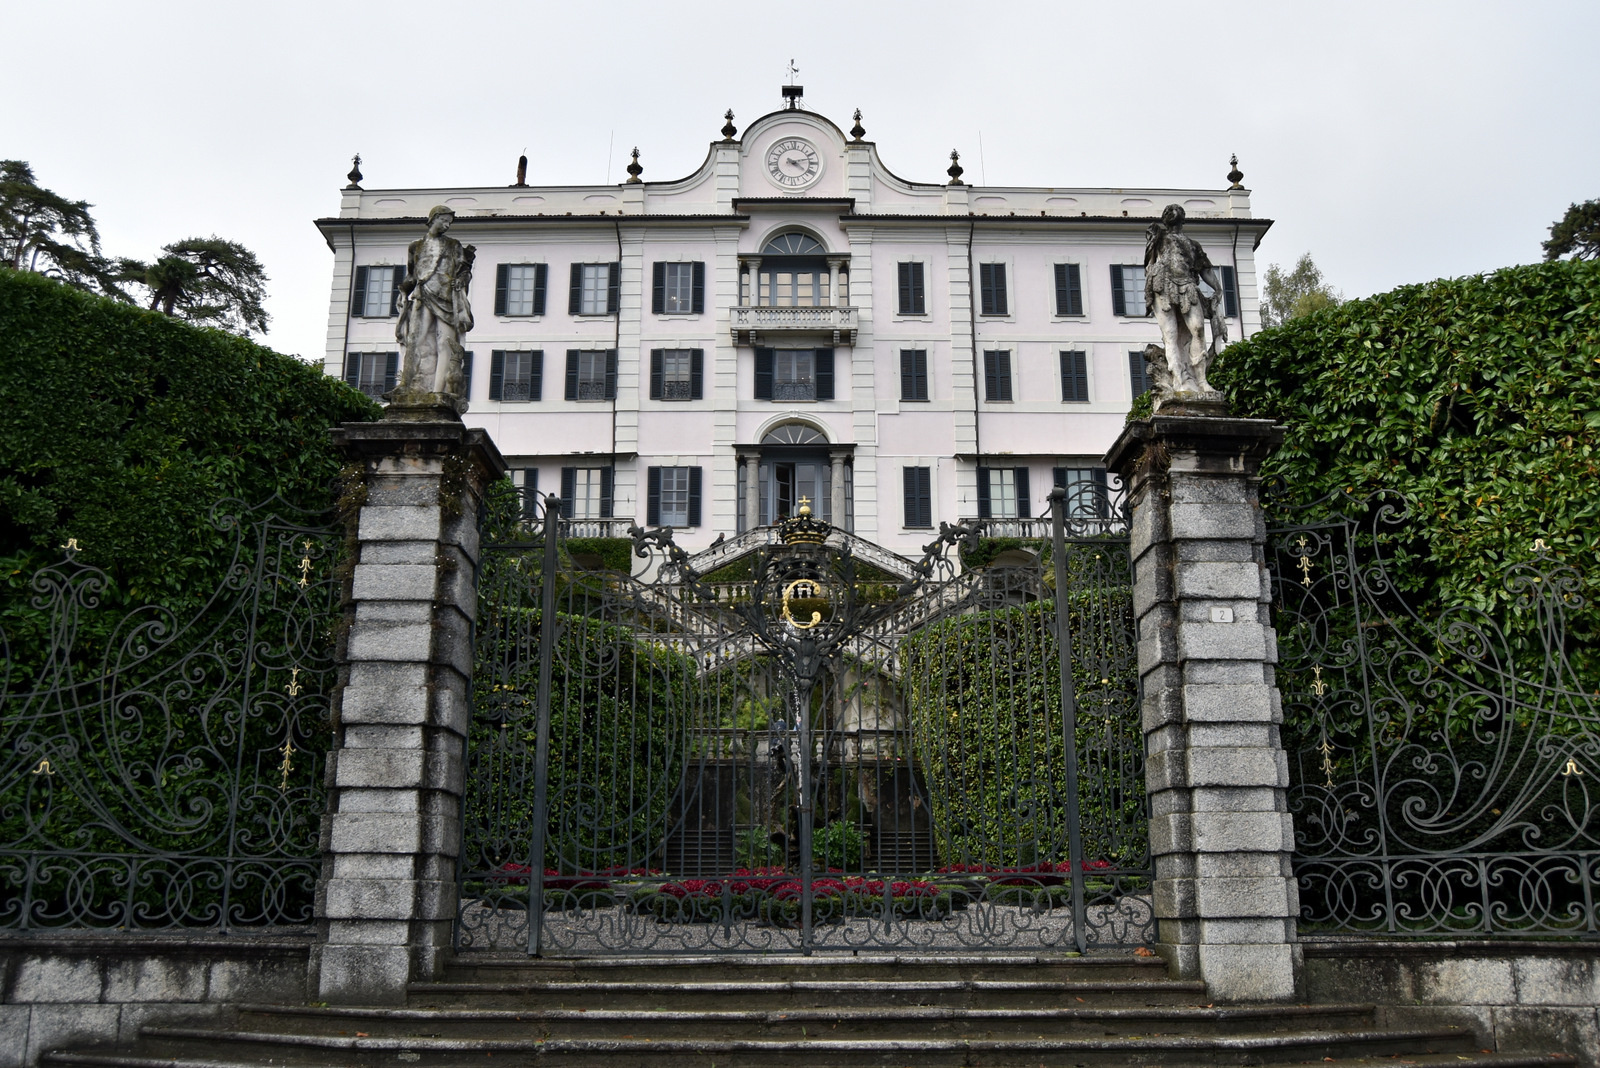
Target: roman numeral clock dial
793, 163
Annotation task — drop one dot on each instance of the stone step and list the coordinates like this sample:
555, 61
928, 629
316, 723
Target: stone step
117, 1058
868, 1022
810, 993
1063, 966
171, 1044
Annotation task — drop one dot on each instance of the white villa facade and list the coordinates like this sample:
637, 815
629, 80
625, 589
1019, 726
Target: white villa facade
791, 320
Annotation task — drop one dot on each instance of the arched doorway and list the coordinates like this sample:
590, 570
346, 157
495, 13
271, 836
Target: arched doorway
794, 464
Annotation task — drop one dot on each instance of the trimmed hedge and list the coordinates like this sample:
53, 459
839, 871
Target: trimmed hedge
1473, 397
123, 428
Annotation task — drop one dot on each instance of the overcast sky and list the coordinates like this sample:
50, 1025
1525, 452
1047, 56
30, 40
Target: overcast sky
1397, 141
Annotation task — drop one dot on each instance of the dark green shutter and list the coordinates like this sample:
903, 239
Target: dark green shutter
358, 296
536, 375
1230, 292
466, 375
824, 374
1102, 492
658, 289
652, 508
1024, 504
540, 270
905, 293
992, 283
572, 375
530, 491
657, 372
569, 486
396, 276
983, 493
1137, 374
698, 288
907, 376
575, 295
352, 369
918, 486
391, 370
497, 374
1069, 289
997, 375
611, 374
694, 496
1119, 303
613, 287
697, 373
502, 281
1058, 477
763, 374
1074, 376
606, 478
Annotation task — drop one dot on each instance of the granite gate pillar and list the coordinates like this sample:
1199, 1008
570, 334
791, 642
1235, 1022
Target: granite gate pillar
1220, 830
386, 900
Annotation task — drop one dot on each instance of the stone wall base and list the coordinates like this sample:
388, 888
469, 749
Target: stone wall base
1520, 997
84, 990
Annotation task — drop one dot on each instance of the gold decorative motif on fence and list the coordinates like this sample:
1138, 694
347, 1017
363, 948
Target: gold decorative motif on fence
294, 686
72, 545
797, 590
1327, 759
305, 564
44, 768
287, 766
1305, 561
1318, 687
1572, 767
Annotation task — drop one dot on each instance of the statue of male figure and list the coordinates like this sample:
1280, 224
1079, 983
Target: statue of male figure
435, 312
1174, 266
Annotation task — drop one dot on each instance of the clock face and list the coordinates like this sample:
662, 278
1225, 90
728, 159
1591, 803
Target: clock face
793, 163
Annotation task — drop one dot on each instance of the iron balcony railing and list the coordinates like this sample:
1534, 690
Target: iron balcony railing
751, 323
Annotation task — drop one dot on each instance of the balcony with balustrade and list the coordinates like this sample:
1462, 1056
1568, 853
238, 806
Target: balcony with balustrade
756, 325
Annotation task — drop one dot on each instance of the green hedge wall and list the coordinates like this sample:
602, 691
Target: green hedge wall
1474, 397
124, 428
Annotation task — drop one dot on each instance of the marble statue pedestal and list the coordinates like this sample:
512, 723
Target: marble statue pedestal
1220, 831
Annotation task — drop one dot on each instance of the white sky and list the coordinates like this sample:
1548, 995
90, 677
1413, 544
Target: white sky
1398, 141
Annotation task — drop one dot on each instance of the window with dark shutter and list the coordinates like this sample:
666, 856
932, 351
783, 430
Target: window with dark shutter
575, 295
658, 288
918, 496
763, 374
992, 286
352, 369
1074, 376
913, 374
1230, 293
652, 508
569, 482
1069, 289
613, 287
694, 496
607, 482
396, 276
997, 375
497, 373
657, 372
697, 374
1019, 478
502, 276
611, 374
983, 493
824, 374
527, 483
1087, 495
571, 391
358, 295
697, 284
1127, 290
391, 370
913, 300
1138, 374
466, 375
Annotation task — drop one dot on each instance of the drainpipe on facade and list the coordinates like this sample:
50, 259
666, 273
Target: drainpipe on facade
616, 346
972, 333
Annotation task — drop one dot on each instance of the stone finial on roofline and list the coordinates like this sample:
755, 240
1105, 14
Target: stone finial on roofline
955, 170
1235, 175
355, 172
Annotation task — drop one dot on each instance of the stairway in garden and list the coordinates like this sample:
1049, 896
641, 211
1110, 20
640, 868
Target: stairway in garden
790, 1011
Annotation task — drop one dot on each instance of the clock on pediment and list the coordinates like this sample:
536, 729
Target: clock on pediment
793, 163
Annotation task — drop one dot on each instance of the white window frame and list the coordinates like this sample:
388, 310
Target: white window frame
675, 514
587, 493
1133, 295
679, 296
525, 361
381, 299
520, 283
677, 374
592, 374
594, 294
1003, 487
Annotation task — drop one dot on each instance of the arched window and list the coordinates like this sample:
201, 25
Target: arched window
794, 273
794, 434
794, 244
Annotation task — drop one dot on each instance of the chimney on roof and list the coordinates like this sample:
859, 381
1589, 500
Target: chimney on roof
522, 170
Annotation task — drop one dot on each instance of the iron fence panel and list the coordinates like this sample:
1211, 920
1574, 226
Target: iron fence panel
163, 768
1442, 760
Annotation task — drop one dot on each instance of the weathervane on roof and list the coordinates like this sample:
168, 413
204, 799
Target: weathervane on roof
792, 92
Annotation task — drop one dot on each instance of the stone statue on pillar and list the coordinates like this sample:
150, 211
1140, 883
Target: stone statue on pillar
1174, 267
434, 315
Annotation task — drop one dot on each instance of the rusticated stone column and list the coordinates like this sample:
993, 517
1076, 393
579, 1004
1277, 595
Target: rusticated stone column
387, 896
1220, 830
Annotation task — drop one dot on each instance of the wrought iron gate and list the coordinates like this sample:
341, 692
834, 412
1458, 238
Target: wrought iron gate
804, 753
